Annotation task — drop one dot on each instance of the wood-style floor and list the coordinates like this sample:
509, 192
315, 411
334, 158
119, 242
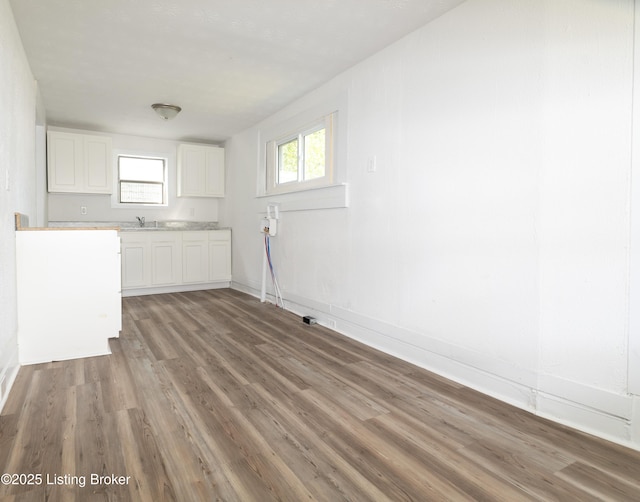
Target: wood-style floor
213, 396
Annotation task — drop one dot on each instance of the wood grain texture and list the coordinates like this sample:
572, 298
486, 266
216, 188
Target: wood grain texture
211, 395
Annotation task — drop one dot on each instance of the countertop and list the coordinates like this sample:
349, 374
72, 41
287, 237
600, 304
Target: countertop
134, 226
22, 223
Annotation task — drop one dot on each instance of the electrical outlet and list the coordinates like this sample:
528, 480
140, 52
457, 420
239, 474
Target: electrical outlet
83, 209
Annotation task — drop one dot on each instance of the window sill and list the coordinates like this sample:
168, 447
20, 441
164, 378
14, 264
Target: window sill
329, 197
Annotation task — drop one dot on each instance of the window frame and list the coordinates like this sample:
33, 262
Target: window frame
272, 160
117, 202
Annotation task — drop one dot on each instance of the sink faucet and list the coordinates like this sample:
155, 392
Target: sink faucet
140, 220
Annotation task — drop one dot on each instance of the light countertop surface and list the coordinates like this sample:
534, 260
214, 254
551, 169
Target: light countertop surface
134, 226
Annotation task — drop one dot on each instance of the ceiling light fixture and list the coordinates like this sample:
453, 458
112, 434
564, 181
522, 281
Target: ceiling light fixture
166, 111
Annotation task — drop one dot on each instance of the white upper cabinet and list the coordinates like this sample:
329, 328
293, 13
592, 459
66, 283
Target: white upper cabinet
200, 171
79, 163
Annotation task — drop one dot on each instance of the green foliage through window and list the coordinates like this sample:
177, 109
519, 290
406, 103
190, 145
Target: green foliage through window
314, 155
288, 162
302, 158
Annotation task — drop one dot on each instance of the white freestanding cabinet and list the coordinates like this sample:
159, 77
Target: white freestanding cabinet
79, 163
69, 299
200, 171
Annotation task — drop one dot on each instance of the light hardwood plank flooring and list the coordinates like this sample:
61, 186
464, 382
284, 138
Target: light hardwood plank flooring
212, 395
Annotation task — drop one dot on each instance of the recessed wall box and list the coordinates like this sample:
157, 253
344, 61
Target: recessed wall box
268, 226
264, 225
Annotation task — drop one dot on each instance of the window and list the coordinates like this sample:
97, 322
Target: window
302, 159
141, 180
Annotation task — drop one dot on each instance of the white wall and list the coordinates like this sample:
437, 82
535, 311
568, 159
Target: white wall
66, 207
584, 206
492, 243
634, 251
17, 178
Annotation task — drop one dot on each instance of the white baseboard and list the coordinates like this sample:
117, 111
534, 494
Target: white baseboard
586, 419
66, 356
174, 289
611, 416
599, 400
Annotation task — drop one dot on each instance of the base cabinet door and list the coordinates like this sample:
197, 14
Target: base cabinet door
195, 257
165, 258
135, 260
220, 255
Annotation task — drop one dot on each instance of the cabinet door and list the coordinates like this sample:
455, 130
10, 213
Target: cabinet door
165, 258
79, 163
200, 171
64, 154
195, 257
135, 260
214, 173
97, 164
220, 255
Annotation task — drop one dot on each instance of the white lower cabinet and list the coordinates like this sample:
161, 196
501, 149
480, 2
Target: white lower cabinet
220, 255
166, 259
170, 261
136, 263
195, 268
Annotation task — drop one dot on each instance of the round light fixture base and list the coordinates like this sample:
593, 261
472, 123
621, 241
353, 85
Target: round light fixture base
166, 111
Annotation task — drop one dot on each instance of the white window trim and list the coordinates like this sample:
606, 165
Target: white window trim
115, 195
272, 130
271, 160
329, 197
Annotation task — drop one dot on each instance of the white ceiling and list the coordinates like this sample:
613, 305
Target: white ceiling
229, 64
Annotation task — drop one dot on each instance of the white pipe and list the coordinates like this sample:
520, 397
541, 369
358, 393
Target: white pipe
263, 291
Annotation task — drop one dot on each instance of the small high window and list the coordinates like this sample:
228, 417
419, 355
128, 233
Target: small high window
302, 159
141, 180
